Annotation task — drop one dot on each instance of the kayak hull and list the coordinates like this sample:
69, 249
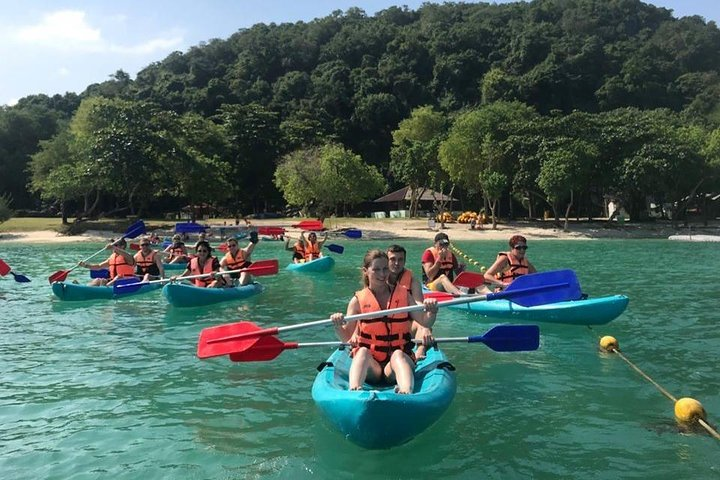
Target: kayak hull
590, 311
175, 267
322, 264
377, 417
72, 292
184, 295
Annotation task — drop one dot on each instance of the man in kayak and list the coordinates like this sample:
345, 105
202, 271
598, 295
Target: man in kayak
383, 349
440, 265
237, 258
177, 250
399, 275
120, 263
510, 265
148, 262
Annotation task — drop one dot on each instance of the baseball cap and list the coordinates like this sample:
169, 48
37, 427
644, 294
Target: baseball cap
442, 236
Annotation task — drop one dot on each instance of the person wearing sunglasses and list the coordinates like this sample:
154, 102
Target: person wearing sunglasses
237, 258
510, 265
203, 263
148, 263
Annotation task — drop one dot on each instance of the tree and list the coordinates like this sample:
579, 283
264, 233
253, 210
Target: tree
493, 184
326, 179
6, 212
415, 151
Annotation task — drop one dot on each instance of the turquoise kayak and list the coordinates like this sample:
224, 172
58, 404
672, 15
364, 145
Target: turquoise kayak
377, 417
185, 295
175, 266
322, 264
72, 292
589, 311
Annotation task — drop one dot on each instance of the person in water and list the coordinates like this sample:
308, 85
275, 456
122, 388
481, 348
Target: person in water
203, 263
399, 275
382, 347
148, 262
177, 250
237, 258
510, 265
312, 247
440, 265
120, 263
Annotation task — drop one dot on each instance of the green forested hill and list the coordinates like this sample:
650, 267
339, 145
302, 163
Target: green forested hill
351, 79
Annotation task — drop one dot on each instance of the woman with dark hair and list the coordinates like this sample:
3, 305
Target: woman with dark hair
203, 263
510, 265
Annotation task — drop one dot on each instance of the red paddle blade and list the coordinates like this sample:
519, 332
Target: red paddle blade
439, 296
469, 280
223, 247
4, 268
312, 225
135, 246
263, 267
58, 276
211, 343
271, 230
266, 348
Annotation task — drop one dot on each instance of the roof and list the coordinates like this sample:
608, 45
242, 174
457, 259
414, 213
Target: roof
404, 194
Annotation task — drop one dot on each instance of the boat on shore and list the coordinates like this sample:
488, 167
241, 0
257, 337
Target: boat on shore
73, 292
377, 417
322, 264
186, 295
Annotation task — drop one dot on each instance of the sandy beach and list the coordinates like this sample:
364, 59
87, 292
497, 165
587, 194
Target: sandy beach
398, 228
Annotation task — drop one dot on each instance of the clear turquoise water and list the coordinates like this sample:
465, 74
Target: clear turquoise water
113, 389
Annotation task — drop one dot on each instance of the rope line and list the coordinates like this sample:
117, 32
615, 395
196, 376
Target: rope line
667, 394
466, 257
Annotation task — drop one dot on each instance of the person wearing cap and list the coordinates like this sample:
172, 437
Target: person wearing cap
439, 266
177, 250
510, 265
120, 263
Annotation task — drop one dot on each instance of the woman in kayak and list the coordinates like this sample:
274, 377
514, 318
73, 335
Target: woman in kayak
177, 250
382, 347
203, 263
312, 246
510, 265
120, 263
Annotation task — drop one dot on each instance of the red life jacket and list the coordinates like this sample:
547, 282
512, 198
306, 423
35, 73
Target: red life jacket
119, 267
146, 264
311, 251
386, 334
235, 263
446, 265
209, 266
515, 268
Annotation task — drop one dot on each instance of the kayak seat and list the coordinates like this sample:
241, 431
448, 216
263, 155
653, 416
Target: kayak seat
446, 365
322, 366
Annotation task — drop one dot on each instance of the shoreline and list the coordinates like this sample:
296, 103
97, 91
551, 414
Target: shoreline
403, 229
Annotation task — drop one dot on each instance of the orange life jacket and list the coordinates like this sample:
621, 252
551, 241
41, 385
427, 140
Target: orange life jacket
446, 264
208, 267
515, 268
235, 263
299, 248
178, 250
146, 264
405, 279
311, 251
386, 334
119, 267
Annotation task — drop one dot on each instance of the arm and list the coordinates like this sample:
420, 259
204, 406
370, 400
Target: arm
496, 267
320, 242
126, 255
427, 317
416, 291
531, 268
345, 331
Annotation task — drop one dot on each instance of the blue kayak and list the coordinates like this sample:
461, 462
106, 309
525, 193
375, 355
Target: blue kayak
322, 264
377, 417
589, 311
72, 292
186, 295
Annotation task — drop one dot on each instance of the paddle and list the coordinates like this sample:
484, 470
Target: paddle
503, 338
469, 280
312, 225
137, 228
189, 227
102, 273
5, 269
259, 269
353, 233
333, 247
528, 290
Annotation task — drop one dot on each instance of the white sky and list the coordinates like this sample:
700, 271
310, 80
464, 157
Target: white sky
56, 46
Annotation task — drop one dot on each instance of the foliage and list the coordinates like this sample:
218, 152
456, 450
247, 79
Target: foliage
6, 212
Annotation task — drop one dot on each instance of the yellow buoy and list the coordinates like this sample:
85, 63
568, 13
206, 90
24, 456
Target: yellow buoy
688, 410
609, 343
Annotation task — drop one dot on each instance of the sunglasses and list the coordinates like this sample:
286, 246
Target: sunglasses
520, 247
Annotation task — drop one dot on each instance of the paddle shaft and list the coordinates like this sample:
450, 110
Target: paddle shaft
417, 341
253, 268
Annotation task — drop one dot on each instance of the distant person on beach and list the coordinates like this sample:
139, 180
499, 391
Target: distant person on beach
440, 265
382, 347
510, 265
